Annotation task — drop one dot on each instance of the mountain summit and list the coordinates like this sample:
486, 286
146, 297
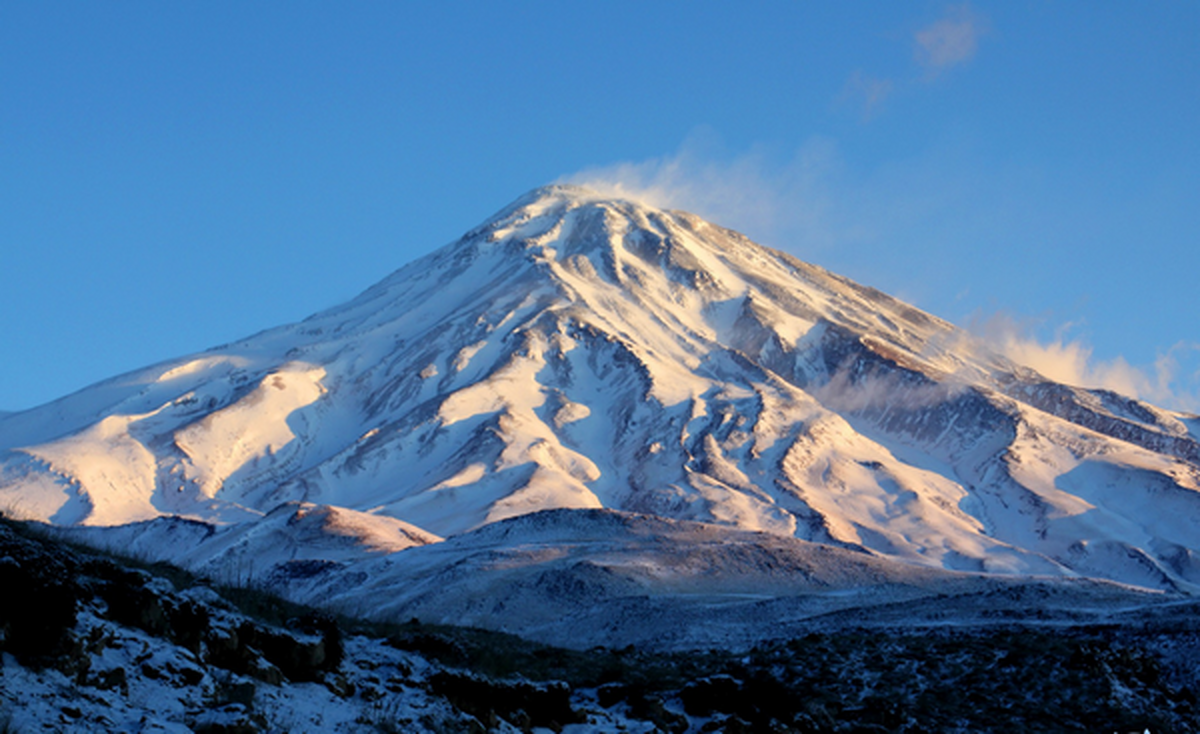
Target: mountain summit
578, 352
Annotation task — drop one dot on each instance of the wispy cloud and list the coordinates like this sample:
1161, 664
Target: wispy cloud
867, 92
806, 201
752, 191
1072, 362
950, 41
847, 390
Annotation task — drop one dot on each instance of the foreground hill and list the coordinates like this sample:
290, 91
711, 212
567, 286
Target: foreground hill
95, 644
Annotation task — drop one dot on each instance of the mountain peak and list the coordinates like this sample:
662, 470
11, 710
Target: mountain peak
551, 199
580, 350
580, 194
566, 191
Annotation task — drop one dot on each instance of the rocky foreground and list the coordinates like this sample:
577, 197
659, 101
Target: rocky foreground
100, 643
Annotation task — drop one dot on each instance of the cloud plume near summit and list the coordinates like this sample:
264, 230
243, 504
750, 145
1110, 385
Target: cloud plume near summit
749, 192
1073, 362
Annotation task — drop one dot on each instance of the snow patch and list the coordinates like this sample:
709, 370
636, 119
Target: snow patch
256, 427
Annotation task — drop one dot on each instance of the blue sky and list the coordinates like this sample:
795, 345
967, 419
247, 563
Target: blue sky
178, 175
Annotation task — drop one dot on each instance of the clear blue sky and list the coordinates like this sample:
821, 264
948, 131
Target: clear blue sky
177, 175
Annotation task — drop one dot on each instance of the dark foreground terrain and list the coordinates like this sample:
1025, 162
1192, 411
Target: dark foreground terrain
98, 643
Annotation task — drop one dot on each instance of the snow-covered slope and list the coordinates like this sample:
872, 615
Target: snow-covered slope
579, 352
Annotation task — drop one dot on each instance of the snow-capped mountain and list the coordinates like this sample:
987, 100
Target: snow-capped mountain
577, 352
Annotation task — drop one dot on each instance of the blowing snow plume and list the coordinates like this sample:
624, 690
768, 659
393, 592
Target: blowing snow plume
1072, 362
848, 390
777, 203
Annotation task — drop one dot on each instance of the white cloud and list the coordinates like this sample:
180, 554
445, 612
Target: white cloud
769, 201
1072, 362
950, 41
811, 202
